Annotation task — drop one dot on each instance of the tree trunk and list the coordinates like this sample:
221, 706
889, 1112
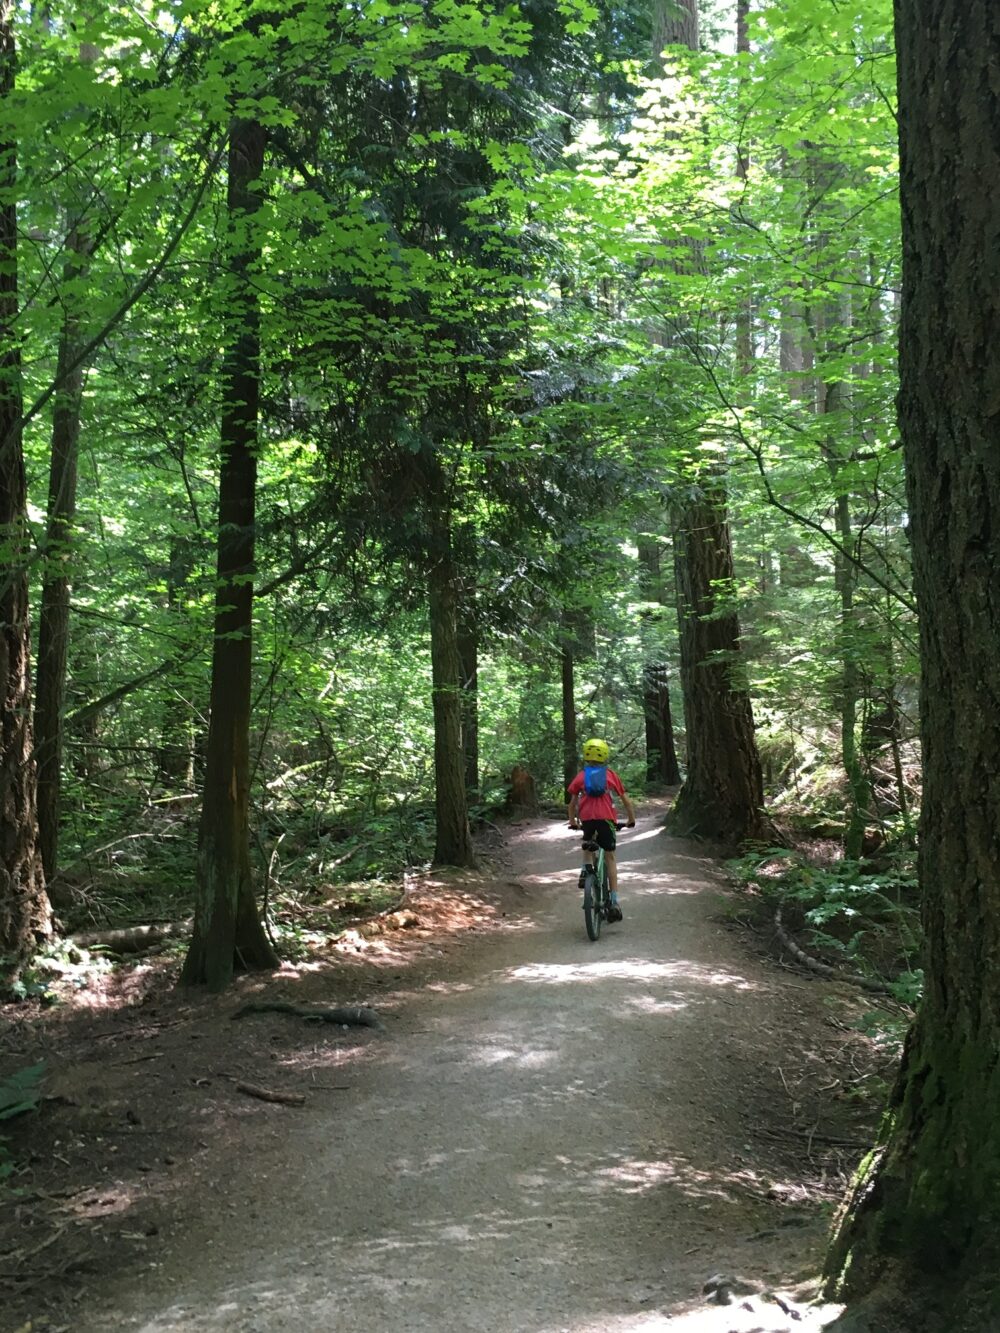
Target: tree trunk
925, 1218
25, 916
661, 755
846, 577
570, 751
722, 798
453, 844
53, 624
227, 927
468, 656
675, 23
175, 756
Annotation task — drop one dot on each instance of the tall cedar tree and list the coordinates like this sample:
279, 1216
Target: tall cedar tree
927, 1212
227, 927
25, 918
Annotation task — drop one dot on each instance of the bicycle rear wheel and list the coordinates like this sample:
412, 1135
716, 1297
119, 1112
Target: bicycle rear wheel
592, 904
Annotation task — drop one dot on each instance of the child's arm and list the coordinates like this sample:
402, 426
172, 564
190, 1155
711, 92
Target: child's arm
572, 808
629, 810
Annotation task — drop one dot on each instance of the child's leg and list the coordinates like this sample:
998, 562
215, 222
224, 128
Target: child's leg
612, 864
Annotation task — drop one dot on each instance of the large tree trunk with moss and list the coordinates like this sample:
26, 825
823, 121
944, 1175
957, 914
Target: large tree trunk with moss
453, 843
926, 1215
228, 932
722, 798
25, 917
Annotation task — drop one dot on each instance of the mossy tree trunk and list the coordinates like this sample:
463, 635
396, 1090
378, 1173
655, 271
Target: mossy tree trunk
228, 932
927, 1213
25, 916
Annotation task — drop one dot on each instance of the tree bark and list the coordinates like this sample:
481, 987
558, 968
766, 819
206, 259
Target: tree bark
228, 932
468, 655
722, 798
25, 915
175, 757
570, 750
53, 623
453, 845
661, 755
925, 1217
675, 23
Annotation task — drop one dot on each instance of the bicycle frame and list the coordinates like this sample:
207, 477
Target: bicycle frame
597, 888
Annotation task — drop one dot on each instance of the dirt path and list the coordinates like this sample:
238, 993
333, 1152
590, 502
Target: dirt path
556, 1135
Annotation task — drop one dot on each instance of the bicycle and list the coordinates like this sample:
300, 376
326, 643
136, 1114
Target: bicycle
597, 905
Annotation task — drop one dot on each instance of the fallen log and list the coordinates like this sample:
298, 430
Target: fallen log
353, 1015
132, 939
824, 969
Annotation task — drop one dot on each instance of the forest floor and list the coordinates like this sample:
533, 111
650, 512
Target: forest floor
547, 1134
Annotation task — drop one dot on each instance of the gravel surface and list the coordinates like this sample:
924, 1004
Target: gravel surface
550, 1134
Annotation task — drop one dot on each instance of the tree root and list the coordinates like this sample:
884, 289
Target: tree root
824, 969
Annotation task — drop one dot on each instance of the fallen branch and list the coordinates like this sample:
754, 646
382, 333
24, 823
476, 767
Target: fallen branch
824, 969
266, 1095
347, 1015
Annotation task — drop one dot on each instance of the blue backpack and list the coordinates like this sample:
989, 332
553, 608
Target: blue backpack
595, 779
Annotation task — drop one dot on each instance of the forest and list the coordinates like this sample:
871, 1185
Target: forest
394, 394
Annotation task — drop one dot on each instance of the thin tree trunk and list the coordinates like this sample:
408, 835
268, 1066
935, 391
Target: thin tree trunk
661, 754
25, 915
570, 751
175, 758
53, 624
468, 655
228, 932
846, 577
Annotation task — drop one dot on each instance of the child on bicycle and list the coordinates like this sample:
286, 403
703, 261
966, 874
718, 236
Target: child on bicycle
591, 803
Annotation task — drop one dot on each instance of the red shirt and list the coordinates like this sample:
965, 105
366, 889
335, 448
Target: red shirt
597, 807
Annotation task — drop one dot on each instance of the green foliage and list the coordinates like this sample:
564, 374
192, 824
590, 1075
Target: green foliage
21, 1091
508, 284
870, 920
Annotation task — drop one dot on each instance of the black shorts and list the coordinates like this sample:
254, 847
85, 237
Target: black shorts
601, 831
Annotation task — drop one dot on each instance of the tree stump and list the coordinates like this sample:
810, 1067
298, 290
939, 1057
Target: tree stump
522, 799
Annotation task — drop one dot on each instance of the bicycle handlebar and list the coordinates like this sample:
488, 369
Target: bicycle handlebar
618, 823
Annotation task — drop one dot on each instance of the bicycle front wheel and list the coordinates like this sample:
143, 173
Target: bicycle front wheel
592, 905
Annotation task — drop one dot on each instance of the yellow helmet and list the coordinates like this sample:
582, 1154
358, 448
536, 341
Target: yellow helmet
596, 751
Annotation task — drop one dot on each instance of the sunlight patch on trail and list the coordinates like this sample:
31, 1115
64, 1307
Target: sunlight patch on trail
629, 969
639, 1176
761, 1318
